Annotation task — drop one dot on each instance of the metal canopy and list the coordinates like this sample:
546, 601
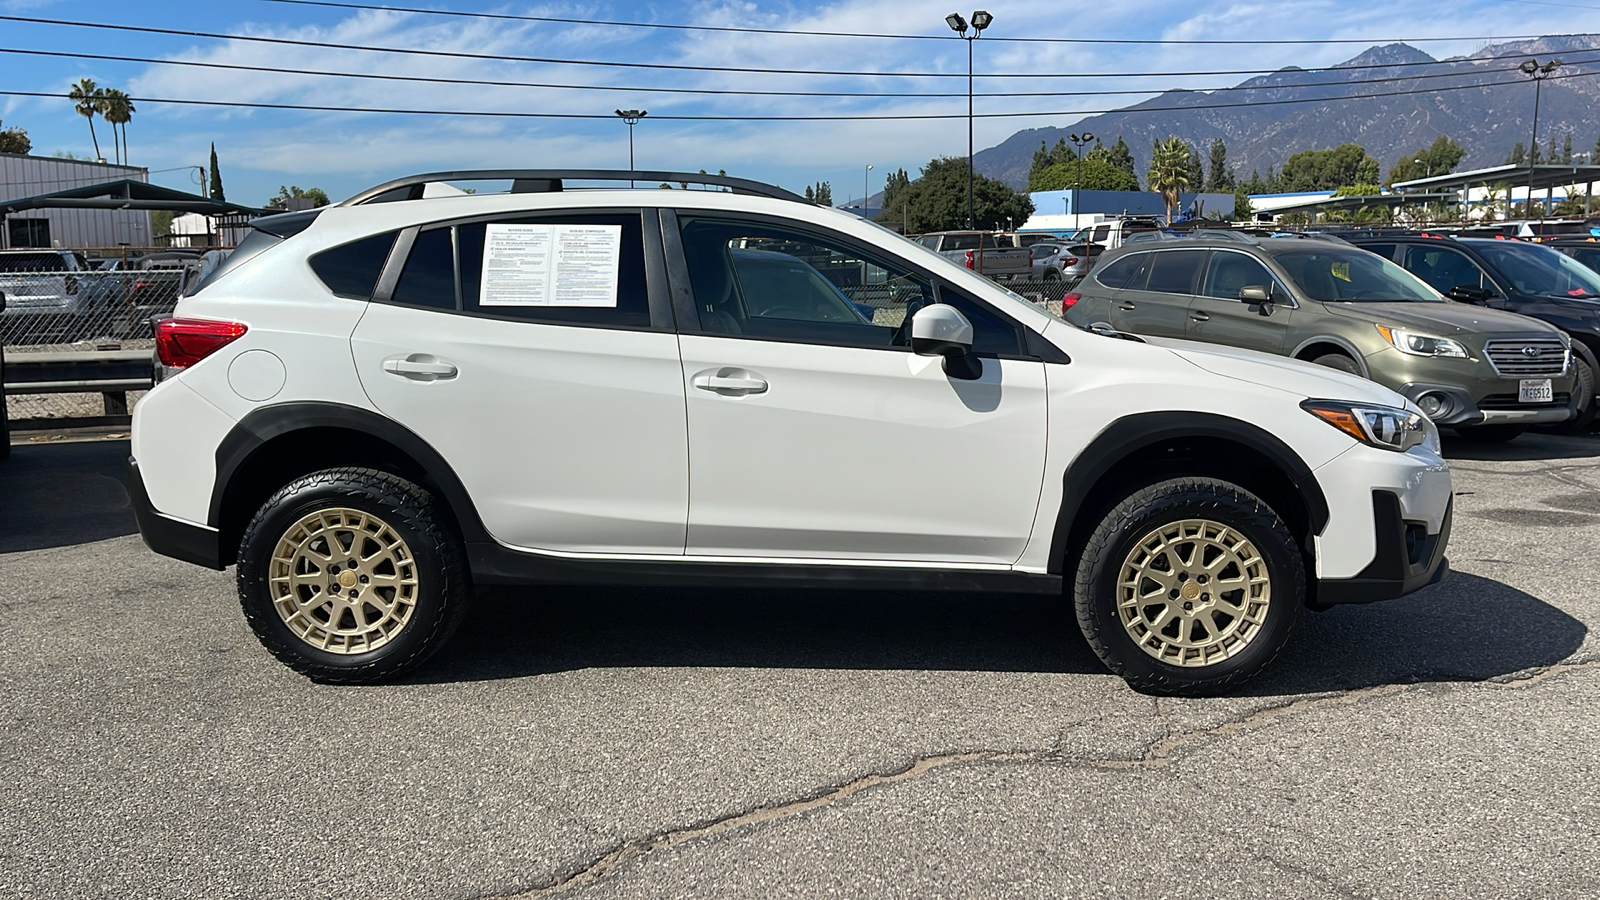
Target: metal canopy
128, 194
1542, 177
1355, 203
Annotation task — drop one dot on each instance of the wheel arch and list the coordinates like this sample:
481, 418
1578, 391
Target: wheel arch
275, 444
1141, 449
1311, 348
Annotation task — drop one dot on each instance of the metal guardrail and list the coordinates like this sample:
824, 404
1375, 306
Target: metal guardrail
109, 373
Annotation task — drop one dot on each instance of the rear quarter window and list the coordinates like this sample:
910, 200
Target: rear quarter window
351, 270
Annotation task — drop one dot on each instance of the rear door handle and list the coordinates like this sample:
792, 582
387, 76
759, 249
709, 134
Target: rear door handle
420, 367
1200, 317
1126, 305
730, 381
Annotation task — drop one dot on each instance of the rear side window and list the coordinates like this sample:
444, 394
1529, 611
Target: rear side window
1127, 273
586, 246
1384, 250
1173, 271
32, 262
352, 270
429, 277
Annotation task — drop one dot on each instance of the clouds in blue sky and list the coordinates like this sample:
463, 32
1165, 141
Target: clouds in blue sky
343, 152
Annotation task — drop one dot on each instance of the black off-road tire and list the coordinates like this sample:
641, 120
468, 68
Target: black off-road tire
1095, 591
1585, 386
442, 583
1491, 434
1341, 362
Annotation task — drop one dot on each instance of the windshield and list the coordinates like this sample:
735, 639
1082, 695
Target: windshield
1342, 274
1533, 269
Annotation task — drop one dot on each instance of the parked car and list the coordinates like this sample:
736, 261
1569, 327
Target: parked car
1584, 250
1488, 374
42, 282
1113, 233
1064, 263
1516, 276
377, 406
988, 254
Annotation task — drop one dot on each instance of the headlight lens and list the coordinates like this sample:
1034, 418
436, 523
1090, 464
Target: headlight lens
1421, 344
1378, 426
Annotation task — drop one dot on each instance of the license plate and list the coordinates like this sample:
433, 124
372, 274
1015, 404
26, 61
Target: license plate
1535, 390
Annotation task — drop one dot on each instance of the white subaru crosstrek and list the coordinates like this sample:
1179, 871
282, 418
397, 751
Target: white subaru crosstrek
372, 408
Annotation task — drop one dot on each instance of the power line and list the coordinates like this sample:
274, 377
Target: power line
559, 20
458, 54
425, 79
820, 118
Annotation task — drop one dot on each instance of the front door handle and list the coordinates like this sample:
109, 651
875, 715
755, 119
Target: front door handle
730, 381
1200, 317
420, 367
1127, 305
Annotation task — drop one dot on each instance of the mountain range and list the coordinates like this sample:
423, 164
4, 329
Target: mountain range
1487, 107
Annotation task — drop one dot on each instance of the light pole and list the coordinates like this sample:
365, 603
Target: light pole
866, 189
1539, 73
980, 21
1078, 141
632, 117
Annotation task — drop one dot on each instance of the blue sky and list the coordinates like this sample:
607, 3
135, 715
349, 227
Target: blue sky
342, 152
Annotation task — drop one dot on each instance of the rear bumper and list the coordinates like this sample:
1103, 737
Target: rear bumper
167, 536
1407, 559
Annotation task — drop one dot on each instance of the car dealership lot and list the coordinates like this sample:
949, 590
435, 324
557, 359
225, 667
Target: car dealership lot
671, 742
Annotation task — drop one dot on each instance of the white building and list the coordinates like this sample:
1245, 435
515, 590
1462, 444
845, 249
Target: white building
79, 229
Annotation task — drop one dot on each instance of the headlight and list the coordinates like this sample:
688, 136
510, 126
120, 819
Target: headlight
1421, 344
1378, 426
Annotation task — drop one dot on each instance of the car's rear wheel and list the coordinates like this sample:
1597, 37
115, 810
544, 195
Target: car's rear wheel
1338, 361
1189, 587
351, 576
1491, 434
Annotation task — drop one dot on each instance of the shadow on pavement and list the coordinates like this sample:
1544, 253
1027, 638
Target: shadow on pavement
59, 494
1530, 446
1466, 629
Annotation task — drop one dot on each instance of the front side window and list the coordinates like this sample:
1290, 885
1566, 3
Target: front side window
1230, 273
1533, 269
1338, 274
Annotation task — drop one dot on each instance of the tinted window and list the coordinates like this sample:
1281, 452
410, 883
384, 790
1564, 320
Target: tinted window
1127, 273
1229, 273
352, 270
1174, 271
1442, 268
1587, 256
429, 278
1330, 274
1384, 250
1533, 269
631, 303
762, 281
1101, 232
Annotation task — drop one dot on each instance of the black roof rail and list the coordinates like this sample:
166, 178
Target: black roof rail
534, 181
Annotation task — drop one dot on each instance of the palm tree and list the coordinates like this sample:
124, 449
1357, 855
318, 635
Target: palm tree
119, 110
88, 100
1169, 171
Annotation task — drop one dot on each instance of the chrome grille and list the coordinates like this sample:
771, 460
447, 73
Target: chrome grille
1535, 356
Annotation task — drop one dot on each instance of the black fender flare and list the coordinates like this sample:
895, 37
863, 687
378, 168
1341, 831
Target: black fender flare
265, 423
1133, 433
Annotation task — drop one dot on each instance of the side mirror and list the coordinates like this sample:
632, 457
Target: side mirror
941, 330
1469, 293
1257, 295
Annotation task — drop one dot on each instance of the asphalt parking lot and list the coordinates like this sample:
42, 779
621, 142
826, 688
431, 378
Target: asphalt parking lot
628, 743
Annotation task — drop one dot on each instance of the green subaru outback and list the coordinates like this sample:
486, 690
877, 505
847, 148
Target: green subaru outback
1486, 373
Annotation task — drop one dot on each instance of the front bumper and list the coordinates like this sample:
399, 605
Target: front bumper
1408, 558
1464, 411
167, 536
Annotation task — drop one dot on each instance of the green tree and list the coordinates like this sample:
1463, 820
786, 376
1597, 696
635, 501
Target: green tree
1242, 211
1169, 171
1121, 156
1566, 150
937, 200
118, 111
1519, 155
1098, 175
216, 176
14, 140
1197, 170
1044, 158
87, 101
1535, 155
811, 194
316, 195
1220, 179
1326, 170
1439, 158
822, 193
893, 184
1358, 190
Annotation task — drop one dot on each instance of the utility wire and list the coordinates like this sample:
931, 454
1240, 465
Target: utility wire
457, 54
423, 79
821, 118
558, 20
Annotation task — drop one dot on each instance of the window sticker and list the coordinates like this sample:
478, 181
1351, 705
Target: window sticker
551, 265
1341, 271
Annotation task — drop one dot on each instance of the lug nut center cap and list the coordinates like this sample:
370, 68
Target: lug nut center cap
347, 578
1190, 590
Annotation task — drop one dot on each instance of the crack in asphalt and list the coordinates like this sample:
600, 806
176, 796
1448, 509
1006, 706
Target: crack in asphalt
1156, 754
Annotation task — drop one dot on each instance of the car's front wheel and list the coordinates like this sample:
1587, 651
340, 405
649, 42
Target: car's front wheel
351, 576
1189, 587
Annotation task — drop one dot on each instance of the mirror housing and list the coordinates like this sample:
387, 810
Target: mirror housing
1258, 296
941, 330
1468, 293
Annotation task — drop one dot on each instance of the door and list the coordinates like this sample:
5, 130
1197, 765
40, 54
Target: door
815, 433
540, 375
1159, 304
1218, 314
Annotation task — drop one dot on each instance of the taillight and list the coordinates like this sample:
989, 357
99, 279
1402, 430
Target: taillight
181, 343
969, 259
1069, 299
1071, 260
140, 285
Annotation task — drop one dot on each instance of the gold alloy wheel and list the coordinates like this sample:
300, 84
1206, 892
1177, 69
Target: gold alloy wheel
343, 581
1193, 593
